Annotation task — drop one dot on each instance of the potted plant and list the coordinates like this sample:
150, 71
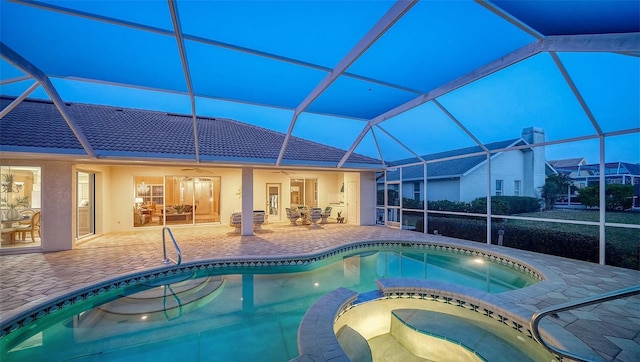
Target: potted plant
11, 203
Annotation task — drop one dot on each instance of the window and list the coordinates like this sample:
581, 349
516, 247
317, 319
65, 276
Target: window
499, 187
516, 187
393, 194
150, 189
20, 206
304, 192
380, 194
416, 191
150, 193
380, 183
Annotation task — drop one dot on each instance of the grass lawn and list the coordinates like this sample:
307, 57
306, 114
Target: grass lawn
588, 215
627, 239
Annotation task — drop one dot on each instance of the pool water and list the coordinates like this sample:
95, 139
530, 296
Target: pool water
243, 314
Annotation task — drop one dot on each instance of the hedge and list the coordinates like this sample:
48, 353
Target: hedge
618, 197
551, 242
500, 205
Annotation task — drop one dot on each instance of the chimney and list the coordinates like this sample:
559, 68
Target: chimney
534, 162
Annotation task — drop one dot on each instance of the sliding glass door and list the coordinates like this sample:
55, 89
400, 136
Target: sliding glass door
203, 193
171, 200
192, 199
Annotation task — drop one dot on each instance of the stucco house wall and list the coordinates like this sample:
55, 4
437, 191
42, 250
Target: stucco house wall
505, 166
57, 205
443, 189
465, 179
474, 184
409, 189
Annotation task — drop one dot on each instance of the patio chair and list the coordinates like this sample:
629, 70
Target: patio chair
293, 216
325, 214
314, 216
258, 219
236, 221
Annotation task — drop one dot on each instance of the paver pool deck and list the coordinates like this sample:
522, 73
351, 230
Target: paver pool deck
612, 328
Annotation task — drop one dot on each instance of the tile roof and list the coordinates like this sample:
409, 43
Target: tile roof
36, 126
455, 167
569, 162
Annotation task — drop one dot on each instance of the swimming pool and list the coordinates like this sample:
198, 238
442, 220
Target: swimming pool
234, 310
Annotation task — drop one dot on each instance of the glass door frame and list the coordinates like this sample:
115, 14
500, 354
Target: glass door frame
272, 203
85, 204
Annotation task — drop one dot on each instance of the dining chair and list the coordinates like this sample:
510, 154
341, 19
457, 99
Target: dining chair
26, 215
32, 226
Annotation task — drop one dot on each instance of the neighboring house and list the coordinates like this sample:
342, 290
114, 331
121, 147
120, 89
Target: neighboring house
585, 175
568, 163
518, 172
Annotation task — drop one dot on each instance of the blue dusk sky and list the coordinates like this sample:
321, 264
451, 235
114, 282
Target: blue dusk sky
266, 53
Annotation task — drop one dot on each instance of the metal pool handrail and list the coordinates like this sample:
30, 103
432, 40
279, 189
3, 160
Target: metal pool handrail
166, 260
535, 319
164, 303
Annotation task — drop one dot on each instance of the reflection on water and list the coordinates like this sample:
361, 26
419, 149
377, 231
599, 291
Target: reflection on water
234, 317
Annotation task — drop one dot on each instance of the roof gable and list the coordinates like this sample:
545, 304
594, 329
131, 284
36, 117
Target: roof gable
569, 162
37, 126
459, 166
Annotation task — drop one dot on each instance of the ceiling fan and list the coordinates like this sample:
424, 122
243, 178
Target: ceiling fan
195, 169
284, 172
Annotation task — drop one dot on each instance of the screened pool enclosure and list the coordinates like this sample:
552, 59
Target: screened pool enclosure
458, 101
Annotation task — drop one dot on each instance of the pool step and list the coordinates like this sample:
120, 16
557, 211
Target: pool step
386, 347
163, 297
354, 345
478, 340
